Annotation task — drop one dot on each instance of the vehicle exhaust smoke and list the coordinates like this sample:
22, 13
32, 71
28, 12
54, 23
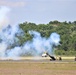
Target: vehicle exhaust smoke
9, 40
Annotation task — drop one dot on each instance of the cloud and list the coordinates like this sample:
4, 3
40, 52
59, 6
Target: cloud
12, 3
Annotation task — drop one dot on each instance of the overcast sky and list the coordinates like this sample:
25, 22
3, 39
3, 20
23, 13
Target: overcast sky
40, 11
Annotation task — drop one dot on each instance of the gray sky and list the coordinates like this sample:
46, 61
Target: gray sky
40, 11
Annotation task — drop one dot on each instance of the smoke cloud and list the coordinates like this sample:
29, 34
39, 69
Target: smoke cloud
4, 20
35, 47
9, 42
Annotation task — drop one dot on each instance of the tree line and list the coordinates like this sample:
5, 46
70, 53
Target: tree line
66, 30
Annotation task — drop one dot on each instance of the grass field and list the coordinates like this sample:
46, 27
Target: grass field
37, 68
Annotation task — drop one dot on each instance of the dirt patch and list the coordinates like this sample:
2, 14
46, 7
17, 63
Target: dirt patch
37, 68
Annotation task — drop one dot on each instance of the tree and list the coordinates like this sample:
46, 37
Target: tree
67, 32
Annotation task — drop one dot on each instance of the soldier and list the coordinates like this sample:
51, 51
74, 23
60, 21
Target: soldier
75, 58
60, 58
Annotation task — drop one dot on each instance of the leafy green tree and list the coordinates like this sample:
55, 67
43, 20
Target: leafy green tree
67, 31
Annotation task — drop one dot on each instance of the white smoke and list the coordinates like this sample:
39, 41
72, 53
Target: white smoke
9, 42
36, 46
8, 33
4, 20
41, 44
3, 47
